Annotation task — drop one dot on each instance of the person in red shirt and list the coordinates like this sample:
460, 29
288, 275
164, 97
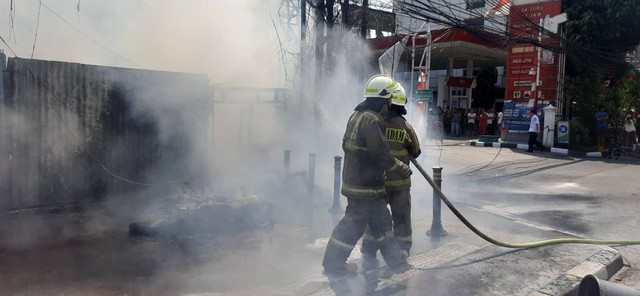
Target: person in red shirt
483, 122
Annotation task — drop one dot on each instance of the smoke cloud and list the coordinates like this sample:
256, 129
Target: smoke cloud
236, 148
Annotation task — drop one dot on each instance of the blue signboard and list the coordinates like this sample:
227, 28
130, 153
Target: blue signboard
563, 132
516, 115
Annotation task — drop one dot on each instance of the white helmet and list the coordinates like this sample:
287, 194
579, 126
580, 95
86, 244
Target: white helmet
399, 97
380, 86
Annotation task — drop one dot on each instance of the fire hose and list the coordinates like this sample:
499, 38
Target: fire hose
564, 240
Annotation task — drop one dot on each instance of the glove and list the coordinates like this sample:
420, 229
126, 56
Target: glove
405, 171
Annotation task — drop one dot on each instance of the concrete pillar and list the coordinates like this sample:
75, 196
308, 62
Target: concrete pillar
442, 95
470, 75
447, 87
549, 128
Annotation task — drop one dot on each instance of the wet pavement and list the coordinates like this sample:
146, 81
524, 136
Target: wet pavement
71, 252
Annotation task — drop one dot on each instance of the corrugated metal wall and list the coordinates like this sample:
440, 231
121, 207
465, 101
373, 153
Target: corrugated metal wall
66, 124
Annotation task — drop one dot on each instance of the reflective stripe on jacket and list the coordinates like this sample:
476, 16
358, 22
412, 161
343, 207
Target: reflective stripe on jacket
366, 156
404, 144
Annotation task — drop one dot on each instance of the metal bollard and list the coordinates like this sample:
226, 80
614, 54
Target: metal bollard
287, 162
337, 171
311, 175
436, 224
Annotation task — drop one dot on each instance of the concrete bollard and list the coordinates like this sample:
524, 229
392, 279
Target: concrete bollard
337, 174
287, 163
436, 223
311, 174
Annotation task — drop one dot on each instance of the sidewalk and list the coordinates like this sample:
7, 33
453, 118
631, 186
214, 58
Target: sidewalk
561, 151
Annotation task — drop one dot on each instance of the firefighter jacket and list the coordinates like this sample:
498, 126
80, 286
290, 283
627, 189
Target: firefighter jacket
367, 156
404, 144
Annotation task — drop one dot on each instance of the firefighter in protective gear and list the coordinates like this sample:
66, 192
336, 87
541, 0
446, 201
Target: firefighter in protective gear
367, 158
404, 144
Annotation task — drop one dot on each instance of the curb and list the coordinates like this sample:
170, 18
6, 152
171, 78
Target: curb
561, 151
602, 265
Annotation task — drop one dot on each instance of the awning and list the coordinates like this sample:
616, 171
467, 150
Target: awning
460, 82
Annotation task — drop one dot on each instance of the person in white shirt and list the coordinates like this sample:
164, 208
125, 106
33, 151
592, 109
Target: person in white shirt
630, 132
490, 121
534, 129
471, 123
500, 115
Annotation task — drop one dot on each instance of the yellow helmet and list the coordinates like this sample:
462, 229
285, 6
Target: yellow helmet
399, 97
380, 86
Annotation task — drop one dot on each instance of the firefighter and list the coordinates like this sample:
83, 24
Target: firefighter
404, 144
367, 157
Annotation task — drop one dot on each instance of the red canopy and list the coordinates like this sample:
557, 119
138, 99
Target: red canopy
460, 82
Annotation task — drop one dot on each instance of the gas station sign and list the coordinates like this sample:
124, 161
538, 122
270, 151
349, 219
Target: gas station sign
530, 68
424, 95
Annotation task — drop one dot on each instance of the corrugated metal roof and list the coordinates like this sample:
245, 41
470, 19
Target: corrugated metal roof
67, 120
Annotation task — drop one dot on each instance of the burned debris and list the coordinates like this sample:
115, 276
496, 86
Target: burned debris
193, 213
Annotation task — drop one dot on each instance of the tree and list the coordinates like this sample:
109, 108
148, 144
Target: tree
485, 91
627, 90
600, 34
601, 38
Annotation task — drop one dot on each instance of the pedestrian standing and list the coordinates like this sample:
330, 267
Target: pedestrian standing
630, 132
602, 118
446, 120
534, 130
499, 131
367, 158
404, 145
490, 122
463, 121
455, 122
471, 123
483, 122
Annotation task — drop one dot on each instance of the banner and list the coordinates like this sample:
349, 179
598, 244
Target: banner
516, 115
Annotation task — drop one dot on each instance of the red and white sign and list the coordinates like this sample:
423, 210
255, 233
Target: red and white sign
522, 59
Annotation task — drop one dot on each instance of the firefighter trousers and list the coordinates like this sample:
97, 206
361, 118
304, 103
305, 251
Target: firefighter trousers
400, 203
360, 213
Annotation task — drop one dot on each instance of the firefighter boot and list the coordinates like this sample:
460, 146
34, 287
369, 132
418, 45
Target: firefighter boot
405, 246
395, 257
369, 250
335, 261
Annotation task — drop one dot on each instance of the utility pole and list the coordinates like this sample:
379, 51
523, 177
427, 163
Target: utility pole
345, 14
320, 39
331, 40
303, 52
363, 19
363, 34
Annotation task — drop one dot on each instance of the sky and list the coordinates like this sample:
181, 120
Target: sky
231, 41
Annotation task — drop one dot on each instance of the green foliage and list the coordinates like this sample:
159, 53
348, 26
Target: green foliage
627, 91
485, 92
601, 32
588, 94
579, 136
595, 23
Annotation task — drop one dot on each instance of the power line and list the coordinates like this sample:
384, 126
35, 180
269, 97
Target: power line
89, 37
35, 38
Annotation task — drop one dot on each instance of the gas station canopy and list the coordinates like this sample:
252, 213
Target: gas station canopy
455, 43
